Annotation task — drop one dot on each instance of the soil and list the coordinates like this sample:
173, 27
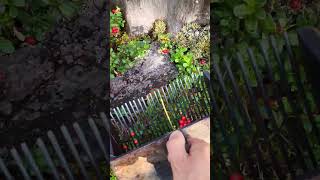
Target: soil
62, 80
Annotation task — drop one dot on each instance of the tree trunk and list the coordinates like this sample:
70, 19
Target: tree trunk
141, 14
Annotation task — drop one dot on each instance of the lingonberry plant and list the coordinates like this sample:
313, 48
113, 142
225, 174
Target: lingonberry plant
124, 49
23, 21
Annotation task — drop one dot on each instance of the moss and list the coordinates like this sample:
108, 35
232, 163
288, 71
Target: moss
196, 38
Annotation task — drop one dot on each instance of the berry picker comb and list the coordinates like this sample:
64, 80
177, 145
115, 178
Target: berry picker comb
141, 127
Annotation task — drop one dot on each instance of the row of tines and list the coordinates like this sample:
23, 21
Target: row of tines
248, 129
163, 110
78, 156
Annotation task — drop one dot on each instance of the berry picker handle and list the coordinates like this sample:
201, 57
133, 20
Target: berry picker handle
309, 40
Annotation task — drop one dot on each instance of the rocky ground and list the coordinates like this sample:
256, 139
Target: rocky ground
63, 80
152, 71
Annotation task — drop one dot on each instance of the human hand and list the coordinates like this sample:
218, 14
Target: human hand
192, 165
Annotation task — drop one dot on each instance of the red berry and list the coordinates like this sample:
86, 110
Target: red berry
132, 134
295, 5
135, 141
114, 30
181, 122
236, 176
202, 62
165, 51
181, 126
125, 147
183, 118
30, 40
115, 11
188, 121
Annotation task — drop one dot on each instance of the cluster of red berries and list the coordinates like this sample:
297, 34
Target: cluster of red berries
114, 31
165, 51
295, 5
236, 176
115, 11
135, 141
202, 61
30, 40
184, 121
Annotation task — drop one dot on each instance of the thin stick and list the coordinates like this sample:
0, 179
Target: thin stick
165, 110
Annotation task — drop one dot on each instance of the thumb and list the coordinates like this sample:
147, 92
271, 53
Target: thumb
176, 147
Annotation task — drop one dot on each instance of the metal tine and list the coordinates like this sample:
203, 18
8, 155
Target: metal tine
170, 99
119, 120
242, 108
113, 121
183, 98
282, 109
174, 96
257, 114
18, 160
31, 161
194, 96
268, 108
104, 119
185, 86
166, 100
151, 99
74, 151
97, 134
184, 89
158, 100
236, 91
199, 95
205, 91
300, 88
46, 155
105, 123
126, 126
231, 147
133, 121
5, 170
58, 151
144, 108
129, 121
226, 98
156, 128
132, 107
178, 89
285, 85
85, 145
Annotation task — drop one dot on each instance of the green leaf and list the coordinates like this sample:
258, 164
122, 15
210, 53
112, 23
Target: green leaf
13, 12
6, 46
224, 22
261, 14
306, 123
67, 9
46, 1
269, 25
241, 11
261, 3
251, 25
18, 3
293, 38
